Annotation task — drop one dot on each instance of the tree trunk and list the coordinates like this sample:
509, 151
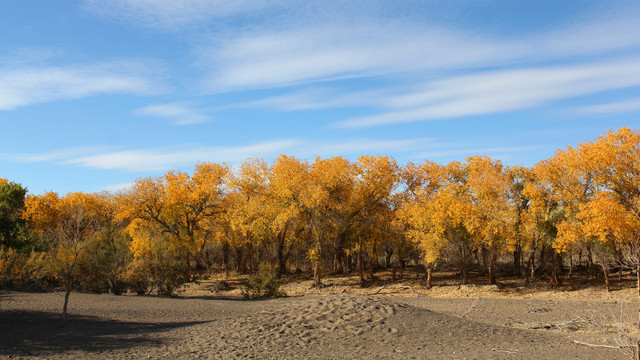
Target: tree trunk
282, 265
316, 274
338, 255
531, 265
66, 301
336, 261
517, 259
429, 275
541, 261
463, 271
360, 265
485, 262
347, 263
580, 258
374, 261
607, 281
590, 261
387, 258
249, 259
492, 268
372, 268
557, 265
241, 266
638, 275
225, 258
188, 268
571, 265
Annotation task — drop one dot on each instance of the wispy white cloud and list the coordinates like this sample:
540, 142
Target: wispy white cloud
162, 159
297, 53
321, 53
253, 53
29, 56
316, 98
32, 85
118, 187
612, 30
172, 14
609, 108
501, 91
180, 113
54, 155
165, 159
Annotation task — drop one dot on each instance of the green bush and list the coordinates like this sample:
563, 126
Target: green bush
138, 277
263, 284
103, 266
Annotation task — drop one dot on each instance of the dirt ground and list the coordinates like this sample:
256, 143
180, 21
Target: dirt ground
386, 320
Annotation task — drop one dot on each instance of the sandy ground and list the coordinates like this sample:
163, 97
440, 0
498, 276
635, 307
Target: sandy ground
394, 321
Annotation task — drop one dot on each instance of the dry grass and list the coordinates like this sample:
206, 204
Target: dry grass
446, 285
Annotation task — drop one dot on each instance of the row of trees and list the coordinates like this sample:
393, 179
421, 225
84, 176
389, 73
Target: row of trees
332, 216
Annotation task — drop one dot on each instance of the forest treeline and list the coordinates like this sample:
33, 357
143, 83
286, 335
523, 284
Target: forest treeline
330, 216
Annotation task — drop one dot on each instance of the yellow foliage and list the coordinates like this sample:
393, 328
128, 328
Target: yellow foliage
179, 204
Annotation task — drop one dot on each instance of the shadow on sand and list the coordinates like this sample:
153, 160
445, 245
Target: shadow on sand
31, 333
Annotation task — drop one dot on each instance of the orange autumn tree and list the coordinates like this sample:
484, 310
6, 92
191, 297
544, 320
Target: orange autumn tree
225, 230
538, 220
248, 211
103, 267
608, 224
436, 212
570, 178
267, 209
154, 254
178, 205
66, 225
420, 209
492, 219
616, 157
377, 177
597, 184
288, 191
330, 200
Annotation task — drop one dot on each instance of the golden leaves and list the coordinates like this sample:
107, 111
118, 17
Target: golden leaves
596, 185
179, 204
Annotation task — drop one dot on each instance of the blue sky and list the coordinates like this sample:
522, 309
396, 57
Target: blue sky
97, 93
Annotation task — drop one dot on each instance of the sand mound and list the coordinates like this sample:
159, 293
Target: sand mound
334, 316
307, 324
343, 326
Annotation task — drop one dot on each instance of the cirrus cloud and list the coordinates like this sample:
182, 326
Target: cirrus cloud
32, 85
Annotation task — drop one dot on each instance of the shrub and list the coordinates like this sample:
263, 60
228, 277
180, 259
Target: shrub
102, 268
263, 284
138, 277
10, 262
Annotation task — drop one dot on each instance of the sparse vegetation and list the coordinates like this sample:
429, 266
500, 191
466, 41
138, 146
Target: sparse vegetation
264, 284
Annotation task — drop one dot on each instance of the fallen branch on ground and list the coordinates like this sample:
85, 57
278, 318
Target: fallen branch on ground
409, 287
474, 305
600, 345
378, 291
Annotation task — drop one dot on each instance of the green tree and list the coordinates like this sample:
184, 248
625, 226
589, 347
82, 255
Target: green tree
12, 196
